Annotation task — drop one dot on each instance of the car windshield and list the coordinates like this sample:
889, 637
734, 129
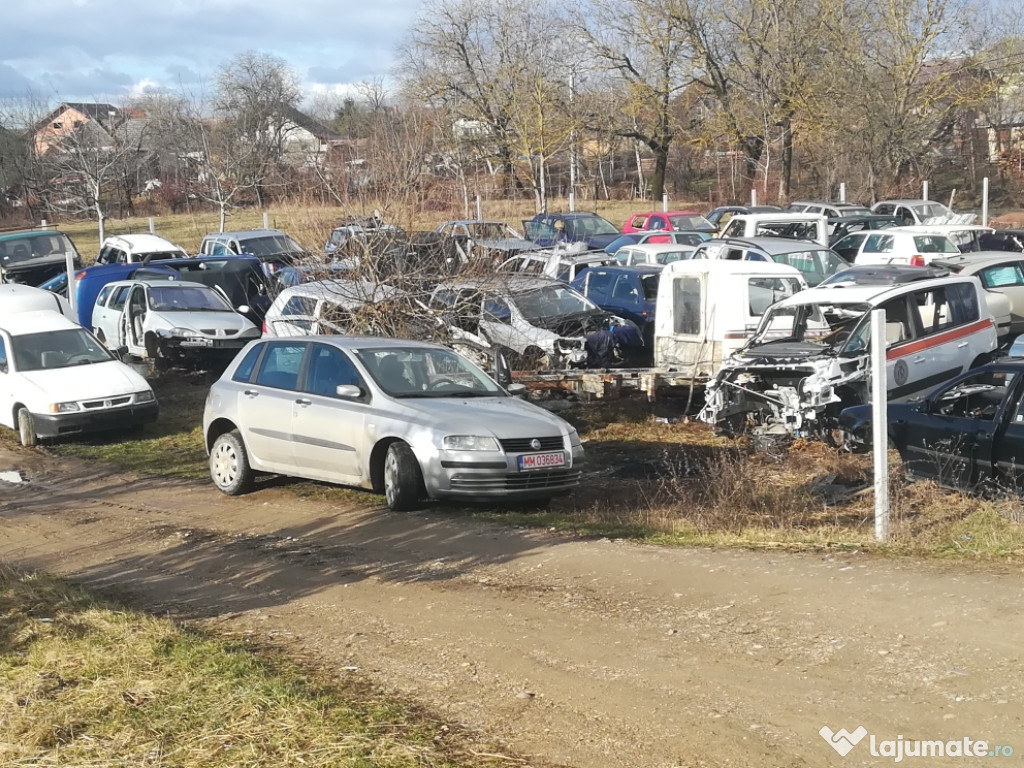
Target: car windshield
490, 230
930, 210
57, 349
690, 221
588, 226
270, 245
814, 264
186, 299
407, 372
827, 325
34, 246
551, 301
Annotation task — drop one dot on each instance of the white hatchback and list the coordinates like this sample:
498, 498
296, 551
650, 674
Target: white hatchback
57, 379
895, 246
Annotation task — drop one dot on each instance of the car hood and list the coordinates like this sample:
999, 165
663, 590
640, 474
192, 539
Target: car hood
87, 382
599, 242
503, 417
205, 321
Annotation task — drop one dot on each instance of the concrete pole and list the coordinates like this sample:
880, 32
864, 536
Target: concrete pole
69, 265
664, 202
266, 220
924, 190
880, 423
984, 201
753, 196
479, 208
842, 192
152, 226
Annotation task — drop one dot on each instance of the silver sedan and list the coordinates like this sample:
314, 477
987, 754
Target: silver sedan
413, 420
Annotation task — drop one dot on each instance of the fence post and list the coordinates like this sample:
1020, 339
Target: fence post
879, 423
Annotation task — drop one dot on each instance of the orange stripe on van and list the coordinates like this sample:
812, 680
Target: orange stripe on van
940, 338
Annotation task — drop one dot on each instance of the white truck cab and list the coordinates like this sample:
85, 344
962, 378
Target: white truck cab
801, 226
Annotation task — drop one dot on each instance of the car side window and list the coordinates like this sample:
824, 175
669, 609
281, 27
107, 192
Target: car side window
934, 311
976, 397
597, 285
103, 295
3, 357
327, 369
625, 290
964, 301
686, 295
735, 229
900, 324
496, 308
281, 364
1002, 276
878, 244
119, 297
244, 370
299, 305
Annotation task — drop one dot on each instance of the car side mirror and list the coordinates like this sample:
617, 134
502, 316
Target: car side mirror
502, 373
516, 389
121, 352
349, 391
244, 309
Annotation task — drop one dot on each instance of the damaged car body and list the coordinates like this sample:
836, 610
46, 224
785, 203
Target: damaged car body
809, 358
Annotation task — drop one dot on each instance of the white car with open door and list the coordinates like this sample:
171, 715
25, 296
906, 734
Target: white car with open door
56, 379
169, 320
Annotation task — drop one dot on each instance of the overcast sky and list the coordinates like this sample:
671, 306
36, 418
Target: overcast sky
92, 50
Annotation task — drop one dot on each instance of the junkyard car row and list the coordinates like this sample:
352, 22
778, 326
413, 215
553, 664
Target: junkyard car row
417, 420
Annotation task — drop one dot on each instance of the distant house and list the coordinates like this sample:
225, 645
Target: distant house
304, 139
68, 117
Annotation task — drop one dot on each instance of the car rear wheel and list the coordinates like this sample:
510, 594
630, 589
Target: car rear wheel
403, 480
27, 428
229, 465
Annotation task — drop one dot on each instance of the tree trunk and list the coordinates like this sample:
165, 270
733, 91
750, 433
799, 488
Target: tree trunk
660, 167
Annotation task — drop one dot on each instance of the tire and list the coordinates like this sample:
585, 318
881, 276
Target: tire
27, 428
229, 465
403, 480
981, 360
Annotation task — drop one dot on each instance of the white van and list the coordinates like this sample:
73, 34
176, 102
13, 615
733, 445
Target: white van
800, 226
708, 308
15, 298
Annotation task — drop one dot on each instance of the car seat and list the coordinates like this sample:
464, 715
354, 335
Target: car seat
391, 372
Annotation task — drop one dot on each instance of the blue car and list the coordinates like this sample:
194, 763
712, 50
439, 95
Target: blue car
548, 229
628, 292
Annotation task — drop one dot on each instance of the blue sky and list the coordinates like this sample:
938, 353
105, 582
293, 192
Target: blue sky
91, 50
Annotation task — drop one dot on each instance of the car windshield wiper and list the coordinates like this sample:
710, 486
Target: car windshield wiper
460, 393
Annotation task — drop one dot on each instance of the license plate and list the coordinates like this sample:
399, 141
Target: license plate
541, 460
197, 343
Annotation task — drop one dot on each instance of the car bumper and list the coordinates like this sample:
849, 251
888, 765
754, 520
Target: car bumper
50, 425
189, 347
498, 476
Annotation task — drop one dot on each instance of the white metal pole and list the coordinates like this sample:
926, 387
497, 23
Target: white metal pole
479, 208
879, 423
753, 196
842, 192
984, 201
152, 225
266, 220
42, 224
924, 190
664, 202
572, 202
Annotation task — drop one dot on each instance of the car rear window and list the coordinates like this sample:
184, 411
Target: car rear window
934, 244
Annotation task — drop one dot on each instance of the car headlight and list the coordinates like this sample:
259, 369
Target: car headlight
64, 407
185, 333
574, 438
146, 396
469, 443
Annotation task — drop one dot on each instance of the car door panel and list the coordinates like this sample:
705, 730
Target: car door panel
265, 407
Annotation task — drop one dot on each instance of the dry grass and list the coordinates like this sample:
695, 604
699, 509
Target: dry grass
311, 224
87, 683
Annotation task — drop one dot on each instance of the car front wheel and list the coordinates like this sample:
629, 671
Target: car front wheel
403, 480
229, 465
27, 428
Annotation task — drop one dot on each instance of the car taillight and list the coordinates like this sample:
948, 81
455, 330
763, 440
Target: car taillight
264, 327
917, 260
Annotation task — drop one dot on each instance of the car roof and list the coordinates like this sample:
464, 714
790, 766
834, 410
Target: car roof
361, 342
841, 293
361, 291
942, 229
969, 263
29, 233
639, 269
243, 233
515, 281
907, 201
36, 321
728, 266
162, 282
143, 242
771, 245
665, 213
659, 247
887, 274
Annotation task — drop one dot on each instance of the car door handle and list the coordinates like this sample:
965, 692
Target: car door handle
303, 401
251, 392
918, 359
962, 345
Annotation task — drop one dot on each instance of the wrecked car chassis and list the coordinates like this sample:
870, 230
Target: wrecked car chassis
786, 399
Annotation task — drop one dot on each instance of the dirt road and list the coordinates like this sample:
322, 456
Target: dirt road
595, 654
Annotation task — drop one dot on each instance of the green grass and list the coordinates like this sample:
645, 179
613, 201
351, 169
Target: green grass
89, 682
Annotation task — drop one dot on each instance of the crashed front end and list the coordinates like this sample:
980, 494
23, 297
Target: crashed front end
783, 397
568, 345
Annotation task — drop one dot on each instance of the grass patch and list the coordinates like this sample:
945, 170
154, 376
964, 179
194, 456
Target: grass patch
88, 682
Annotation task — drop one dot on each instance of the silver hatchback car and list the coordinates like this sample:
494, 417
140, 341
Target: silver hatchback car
411, 419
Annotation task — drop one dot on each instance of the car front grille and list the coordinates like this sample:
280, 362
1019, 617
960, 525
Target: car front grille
522, 444
220, 332
113, 403
521, 481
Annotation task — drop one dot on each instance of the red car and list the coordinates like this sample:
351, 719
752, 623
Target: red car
679, 221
